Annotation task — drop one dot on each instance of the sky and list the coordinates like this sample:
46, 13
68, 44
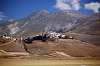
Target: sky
17, 9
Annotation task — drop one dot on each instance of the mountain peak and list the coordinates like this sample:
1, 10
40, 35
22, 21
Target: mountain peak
44, 11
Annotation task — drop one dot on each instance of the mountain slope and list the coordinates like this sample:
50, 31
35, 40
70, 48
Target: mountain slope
89, 30
44, 21
91, 25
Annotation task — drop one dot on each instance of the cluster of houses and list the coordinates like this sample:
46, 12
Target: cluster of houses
51, 36
7, 37
44, 36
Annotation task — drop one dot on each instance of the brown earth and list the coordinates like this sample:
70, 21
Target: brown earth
11, 46
92, 39
64, 48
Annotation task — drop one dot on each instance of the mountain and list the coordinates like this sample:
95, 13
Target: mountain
43, 20
88, 30
91, 25
3, 27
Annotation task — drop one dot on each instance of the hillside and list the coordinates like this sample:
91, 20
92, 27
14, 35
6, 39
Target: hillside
43, 20
67, 48
84, 29
63, 49
89, 30
91, 25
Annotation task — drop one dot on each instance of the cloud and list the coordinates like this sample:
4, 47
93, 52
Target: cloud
93, 6
2, 16
60, 4
67, 4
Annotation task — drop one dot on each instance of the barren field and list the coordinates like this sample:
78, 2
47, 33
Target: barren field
65, 52
30, 62
63, 48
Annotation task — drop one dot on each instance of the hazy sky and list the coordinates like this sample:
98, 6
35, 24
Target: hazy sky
19, 8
